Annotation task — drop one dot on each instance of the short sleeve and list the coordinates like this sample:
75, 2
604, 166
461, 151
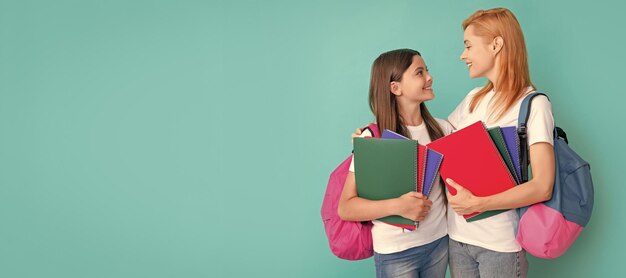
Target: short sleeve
455, 117
365, 133
540, 126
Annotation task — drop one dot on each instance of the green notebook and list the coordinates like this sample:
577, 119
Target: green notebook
385, 169
498, 139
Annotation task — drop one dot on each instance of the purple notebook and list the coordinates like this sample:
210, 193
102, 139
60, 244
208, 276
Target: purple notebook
512, 145
433, 161
388, 134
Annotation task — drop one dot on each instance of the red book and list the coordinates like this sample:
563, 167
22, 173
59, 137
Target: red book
421, 164
471, 159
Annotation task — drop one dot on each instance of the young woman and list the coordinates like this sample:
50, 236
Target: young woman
495, 49
399, 86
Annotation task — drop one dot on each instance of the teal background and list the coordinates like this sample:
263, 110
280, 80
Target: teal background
195, 138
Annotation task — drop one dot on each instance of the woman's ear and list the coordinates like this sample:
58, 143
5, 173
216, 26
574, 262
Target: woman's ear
497, 44
394, 87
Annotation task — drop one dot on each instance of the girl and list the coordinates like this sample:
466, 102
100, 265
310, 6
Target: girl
399, 86
495, 49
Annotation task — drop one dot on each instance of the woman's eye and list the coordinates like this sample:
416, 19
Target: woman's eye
420, 73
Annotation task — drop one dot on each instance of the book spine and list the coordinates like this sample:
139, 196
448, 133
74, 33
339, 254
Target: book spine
417, 147
505, 154
501, 158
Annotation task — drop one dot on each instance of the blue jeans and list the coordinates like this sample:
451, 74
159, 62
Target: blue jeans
430, 260
468, 260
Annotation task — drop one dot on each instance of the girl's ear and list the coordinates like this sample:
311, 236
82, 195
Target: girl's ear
394, 87
497, 44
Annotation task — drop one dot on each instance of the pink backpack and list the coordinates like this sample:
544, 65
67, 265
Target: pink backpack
347, 239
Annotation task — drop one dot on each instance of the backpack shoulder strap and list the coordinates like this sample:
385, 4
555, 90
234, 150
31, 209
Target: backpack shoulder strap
522, 120
524, 110
373, 128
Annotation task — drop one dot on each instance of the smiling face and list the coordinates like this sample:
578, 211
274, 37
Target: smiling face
416, 83
479, 55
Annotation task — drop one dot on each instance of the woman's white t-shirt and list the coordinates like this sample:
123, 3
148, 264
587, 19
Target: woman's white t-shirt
391, 239
497, 232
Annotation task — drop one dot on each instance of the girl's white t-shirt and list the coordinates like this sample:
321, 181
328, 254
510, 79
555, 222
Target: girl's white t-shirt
391, 239
497, 232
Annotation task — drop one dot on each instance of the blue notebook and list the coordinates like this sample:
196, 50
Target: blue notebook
388, 134
512, 144
431, 173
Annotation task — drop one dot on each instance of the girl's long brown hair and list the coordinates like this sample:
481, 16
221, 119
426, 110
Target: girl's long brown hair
513, 73
387, 68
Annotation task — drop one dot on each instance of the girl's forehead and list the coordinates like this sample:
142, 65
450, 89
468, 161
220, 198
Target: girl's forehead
418, 61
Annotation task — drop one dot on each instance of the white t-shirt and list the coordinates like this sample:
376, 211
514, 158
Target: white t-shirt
391, 239
497, 232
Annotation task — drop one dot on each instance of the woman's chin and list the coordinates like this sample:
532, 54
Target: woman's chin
473, 74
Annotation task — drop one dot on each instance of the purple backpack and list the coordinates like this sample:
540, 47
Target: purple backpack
546, 230
348, 240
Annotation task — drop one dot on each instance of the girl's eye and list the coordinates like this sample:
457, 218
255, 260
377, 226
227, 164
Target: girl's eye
467, 47
420, 73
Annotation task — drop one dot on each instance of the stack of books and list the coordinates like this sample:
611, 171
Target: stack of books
484, 161
391, 166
